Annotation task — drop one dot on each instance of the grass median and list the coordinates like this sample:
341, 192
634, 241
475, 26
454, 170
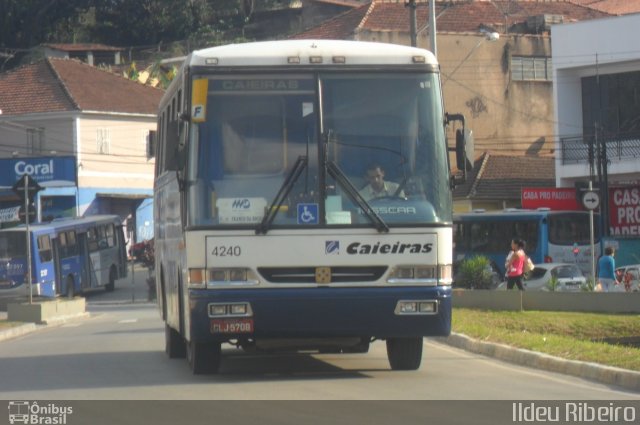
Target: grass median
607, 339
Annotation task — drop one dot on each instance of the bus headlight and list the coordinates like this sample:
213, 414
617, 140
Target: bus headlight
425, 275
231, 276
200, 278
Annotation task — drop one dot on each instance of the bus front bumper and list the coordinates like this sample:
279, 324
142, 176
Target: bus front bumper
322, 313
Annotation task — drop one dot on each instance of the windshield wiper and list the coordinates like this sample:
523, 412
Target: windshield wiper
278, 201
344, 182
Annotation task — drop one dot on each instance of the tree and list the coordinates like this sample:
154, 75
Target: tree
27, 23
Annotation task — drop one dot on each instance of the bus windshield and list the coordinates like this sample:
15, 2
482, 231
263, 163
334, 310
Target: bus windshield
319, 150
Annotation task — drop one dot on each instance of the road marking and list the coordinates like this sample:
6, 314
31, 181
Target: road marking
128, 321
71, 325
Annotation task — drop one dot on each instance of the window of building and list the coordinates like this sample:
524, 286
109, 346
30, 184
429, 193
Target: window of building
613, 101
35, 140
531, 68
103, 141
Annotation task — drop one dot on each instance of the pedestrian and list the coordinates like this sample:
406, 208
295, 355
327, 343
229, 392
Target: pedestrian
607, 269
515, 264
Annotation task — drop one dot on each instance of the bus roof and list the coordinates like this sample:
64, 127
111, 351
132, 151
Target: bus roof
65, 223
278, 53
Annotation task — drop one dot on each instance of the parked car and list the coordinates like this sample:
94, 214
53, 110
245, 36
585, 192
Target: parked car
569, 278
629, 276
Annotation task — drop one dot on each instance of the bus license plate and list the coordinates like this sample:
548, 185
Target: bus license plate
235, 326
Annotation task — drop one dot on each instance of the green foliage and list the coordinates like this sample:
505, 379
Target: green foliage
552, 285
589, 286
474, 273
574, 336
27, 23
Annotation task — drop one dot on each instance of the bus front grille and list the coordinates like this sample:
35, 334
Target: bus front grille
309, 274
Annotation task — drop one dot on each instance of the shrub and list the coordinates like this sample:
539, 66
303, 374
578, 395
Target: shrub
474, 273
552, 285
589, 286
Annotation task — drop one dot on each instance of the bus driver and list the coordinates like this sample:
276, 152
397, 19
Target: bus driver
377, 186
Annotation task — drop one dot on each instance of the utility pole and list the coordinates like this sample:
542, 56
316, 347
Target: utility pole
601, 149
413, 22
432, 27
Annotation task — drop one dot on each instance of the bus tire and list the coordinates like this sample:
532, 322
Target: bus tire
70, 291
175, 346
204, 357
404, 353
109, 287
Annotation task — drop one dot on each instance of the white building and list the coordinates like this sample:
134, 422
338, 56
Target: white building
596, 75
586, 55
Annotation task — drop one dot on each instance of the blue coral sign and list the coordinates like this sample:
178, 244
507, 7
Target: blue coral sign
52, 171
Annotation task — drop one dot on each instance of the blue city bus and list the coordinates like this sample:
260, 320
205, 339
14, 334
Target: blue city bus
68, 257
550, 236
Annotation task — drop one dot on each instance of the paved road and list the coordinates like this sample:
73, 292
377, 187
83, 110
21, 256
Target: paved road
118, 354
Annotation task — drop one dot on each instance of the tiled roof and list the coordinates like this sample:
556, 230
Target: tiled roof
55, 85
341, 27
452, 16
616, 7
82, 47
502, 177
352, 3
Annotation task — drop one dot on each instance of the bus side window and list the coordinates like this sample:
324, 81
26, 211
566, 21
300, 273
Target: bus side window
44, 248
110, 235
72, 247
93, 239
102, 237
62, 238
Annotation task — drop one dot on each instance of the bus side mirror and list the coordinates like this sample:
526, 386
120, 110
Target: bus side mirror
464, 148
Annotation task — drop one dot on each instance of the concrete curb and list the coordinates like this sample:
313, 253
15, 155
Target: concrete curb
16, 331
19, 330
628, 379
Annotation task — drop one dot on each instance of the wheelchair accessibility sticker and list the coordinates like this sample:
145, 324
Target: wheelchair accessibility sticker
308, 214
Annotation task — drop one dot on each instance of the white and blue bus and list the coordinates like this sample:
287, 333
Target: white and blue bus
68, 257
263, 236
550, 236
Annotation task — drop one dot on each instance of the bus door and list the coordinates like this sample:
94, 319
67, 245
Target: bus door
57, 266
44, 270
89, 278
122, 252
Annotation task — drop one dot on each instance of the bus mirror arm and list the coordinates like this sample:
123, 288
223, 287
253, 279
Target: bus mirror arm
464, 149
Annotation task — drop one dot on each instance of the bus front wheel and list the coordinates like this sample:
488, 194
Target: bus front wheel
175, 346
404, 353
204, 357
